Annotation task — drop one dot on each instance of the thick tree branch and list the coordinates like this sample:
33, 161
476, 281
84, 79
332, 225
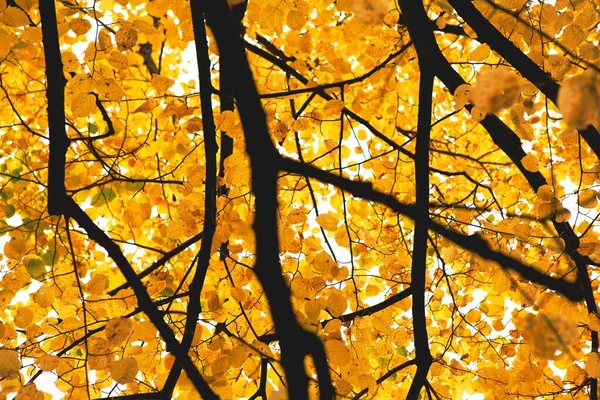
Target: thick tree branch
419, 274
510, 143
473, 243
506, 140
210, 190
59, 203
55, 93
526, 67
72, 210
294, 341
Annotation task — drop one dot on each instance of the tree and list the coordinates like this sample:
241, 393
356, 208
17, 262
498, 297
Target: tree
349, 199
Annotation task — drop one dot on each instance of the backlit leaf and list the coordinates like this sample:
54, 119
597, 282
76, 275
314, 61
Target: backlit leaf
124, 371
14, 16
337, 352
80, 26
295, 19
336, 304
126, 38
118, 330
271, 16
480, 53
9, 363
328, 221
592, 365
530, 163
161, 84
83, 104
47, 362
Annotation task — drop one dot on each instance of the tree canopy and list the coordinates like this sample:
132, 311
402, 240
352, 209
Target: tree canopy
350, 199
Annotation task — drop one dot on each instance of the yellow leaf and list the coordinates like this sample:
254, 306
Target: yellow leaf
97, 284
109, 89
449, 254
586, 248
461, 96
589, 51
9, 363
145, 27
104, 40
368, 381
572, 36
569, 137
480, 53
296, 216
578, 100
47, 362
124, 371
328, 221
80, 26
323, 262
29, 392
333, 107
70, 61
270, 17
587, 198
295, 19
23, 317
337, 352
83, 104
118, 330
546, 192
594, 323
14, 16
194, 125
336, 304
473, 316
240, 227
372, 290
344, 5
161, 84
25, 4
238, 356
562, 215
592, 365
238, 294
530, 163
219, 366
300, 287
312, 309
126, 38
496, 90
478, 113
279, 130
196, 174
441, 22
44, 297
225, 120
146, 107
548, 334
118, 60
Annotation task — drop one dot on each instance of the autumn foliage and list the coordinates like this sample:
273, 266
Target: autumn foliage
299, 199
